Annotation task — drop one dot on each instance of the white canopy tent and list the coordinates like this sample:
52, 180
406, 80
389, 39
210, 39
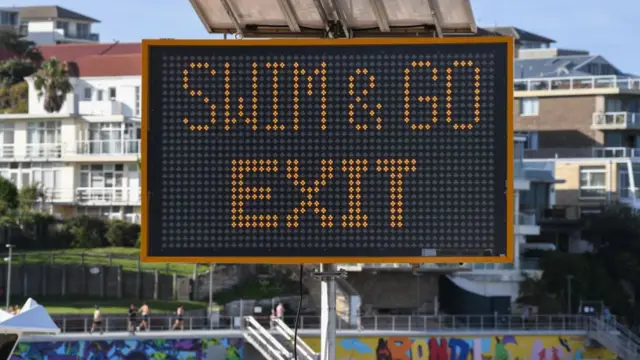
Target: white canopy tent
33, 318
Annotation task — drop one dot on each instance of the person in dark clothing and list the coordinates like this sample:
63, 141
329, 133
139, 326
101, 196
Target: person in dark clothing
132, 318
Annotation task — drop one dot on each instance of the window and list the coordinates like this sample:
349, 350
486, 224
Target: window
105, 138
99, 95
613, 105
112, 93
43, 132
137, 107
99, 176
63, 25
9, 18
593, 182
590, 210
82, 31
87, 93
529, 106
531, 140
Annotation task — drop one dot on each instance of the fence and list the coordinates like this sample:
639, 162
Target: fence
389, 323
128, 262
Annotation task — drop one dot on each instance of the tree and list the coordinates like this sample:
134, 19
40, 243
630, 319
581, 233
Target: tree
615, 237
8, 195
12, 43
52, 82
14, 71
122, 233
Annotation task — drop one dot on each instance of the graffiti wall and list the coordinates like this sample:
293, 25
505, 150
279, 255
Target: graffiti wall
466, 348
153, 349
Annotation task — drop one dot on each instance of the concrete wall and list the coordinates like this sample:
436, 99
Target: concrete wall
229, 345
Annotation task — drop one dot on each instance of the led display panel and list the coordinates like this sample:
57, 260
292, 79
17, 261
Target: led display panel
290, 151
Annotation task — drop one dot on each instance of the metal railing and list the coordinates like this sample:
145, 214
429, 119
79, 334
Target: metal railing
577, 83
582, 153
616, 120
527, 219
615, 152
108, 147
71, 324
93, 195
31, 151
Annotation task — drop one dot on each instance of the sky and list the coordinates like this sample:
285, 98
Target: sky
608, 28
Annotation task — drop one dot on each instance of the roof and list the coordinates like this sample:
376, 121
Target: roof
520, 34
107, 65
72, 52
52, 12
559, 66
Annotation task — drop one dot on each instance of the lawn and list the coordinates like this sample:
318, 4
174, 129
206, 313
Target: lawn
109, 256
86, 306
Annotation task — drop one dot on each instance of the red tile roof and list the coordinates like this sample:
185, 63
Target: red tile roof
110, 59
107, 65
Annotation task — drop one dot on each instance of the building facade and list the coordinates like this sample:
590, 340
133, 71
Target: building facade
85, 157
55, 25
583, 113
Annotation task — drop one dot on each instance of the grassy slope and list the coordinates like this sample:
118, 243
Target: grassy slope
125, 257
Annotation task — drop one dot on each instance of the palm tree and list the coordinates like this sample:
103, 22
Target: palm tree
52, 82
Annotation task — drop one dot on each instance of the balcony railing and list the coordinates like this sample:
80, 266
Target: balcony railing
616, 120
615, 152
96, 196
93, 196
108, 147
31, 151
577, 83
100, 108
585, 152
408, 267
475, 323
525, 264
528, 219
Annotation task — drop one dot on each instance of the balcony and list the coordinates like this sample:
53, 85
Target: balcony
107, 196
615, 152
527, 224
100, 108
577, 83
30, 151
108, 147
405, 267
615, 121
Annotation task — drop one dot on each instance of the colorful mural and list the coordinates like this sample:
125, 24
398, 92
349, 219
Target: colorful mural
466, 348
154, 349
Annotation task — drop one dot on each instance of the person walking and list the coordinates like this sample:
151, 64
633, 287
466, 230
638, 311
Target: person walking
97, 321
145, 323
180, 320
132, 319
280, 311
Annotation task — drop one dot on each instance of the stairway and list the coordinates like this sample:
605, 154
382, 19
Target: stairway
615, 337
276, 344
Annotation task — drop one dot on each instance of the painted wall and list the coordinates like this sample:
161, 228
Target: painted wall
465, 348
152, 349
528, 347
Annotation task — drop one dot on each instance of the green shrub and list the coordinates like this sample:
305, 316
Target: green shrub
122, 233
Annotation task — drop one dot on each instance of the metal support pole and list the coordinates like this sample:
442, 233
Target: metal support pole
328, 316
569, 278
211, 269
8, 290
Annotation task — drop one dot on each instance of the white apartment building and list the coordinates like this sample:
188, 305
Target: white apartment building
86, 155
55, 25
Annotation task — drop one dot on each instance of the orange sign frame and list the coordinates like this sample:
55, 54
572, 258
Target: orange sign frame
508, 258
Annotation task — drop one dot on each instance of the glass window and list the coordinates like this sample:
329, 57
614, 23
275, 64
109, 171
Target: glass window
102, 176
593, 182
529, 106
112, 93
99, 95
87, 93
137, 107
6, 133
43, 132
